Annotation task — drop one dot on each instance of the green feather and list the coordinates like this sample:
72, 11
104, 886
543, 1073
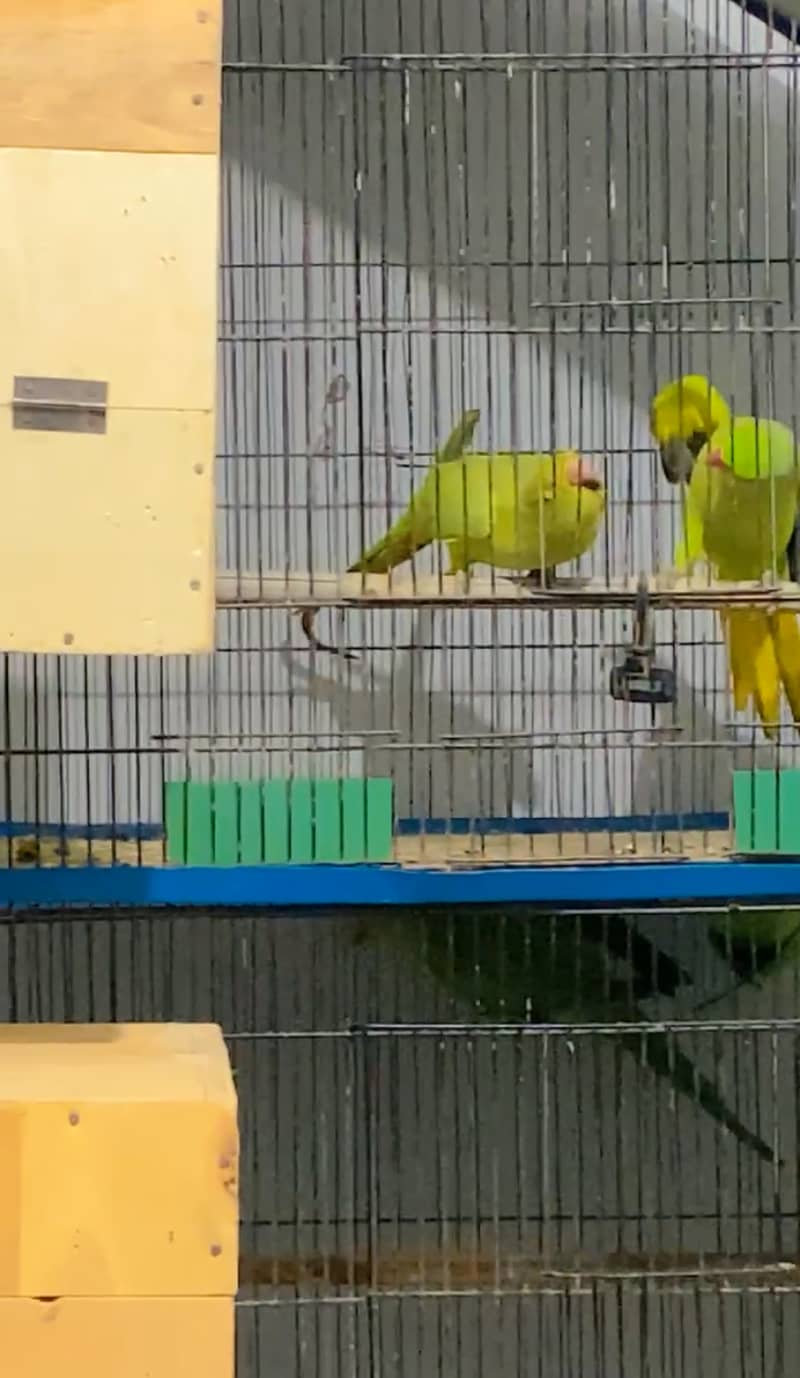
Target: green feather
560, 969
755, 448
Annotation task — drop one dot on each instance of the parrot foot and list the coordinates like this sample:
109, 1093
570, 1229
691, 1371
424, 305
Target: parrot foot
671, 575
461, 580
537, 579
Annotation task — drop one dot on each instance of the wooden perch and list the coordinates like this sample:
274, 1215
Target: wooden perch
299, 589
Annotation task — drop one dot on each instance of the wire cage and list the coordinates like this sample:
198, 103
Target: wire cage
457, 1154
546, 1119
540, 215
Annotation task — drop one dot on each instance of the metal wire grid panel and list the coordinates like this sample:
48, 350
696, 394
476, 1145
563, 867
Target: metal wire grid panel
455, 1156
580, 203
506, 232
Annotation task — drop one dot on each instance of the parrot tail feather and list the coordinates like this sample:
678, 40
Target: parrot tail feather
754, 664
392, 549
459, 439
741, 665
663, 1058
410, 533
786, 639
307, 623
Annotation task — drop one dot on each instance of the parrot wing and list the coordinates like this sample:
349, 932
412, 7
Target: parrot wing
481, 500
540, 518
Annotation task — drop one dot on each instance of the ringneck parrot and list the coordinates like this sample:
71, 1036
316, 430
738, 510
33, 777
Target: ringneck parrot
516, 511
742, 500
531, 967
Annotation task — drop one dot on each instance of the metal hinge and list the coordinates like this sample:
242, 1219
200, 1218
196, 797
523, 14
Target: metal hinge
60, 404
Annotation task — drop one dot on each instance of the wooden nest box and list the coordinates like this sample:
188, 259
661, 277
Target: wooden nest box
119, 1201
109, 162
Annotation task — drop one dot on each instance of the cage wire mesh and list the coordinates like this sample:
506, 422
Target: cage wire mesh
455, 1157
542, 213
514, 231
509, 1141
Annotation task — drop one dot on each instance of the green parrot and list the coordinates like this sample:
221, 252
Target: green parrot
522, 511
756, 942
742, 503
530, 967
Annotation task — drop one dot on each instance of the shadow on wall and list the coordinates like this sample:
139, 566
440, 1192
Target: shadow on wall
691, 770
581, 181
431, 779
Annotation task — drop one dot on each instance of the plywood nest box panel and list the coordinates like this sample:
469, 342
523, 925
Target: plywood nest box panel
109, 167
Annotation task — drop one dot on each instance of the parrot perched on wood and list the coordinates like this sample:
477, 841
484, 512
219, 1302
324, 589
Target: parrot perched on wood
521, 511
535, 968
742, 502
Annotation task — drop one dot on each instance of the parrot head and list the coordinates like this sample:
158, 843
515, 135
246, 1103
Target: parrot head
683, 417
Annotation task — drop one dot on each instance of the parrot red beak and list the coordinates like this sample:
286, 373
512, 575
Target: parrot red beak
582, 475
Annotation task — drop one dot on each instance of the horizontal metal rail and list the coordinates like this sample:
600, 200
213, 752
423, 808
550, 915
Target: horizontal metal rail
323, 589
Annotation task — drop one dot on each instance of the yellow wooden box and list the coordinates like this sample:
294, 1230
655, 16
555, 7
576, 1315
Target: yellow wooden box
109, 168
118, 1162
118, 1337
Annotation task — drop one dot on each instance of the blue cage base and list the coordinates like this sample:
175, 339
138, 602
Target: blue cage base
633, 861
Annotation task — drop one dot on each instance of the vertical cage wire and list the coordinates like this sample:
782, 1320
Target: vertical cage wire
453, 1150
543, 216
501, 1141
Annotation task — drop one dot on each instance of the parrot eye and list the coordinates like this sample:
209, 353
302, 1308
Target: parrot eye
696, 442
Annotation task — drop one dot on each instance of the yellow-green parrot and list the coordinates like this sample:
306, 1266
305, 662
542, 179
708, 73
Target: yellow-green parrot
527, 512
742, 501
